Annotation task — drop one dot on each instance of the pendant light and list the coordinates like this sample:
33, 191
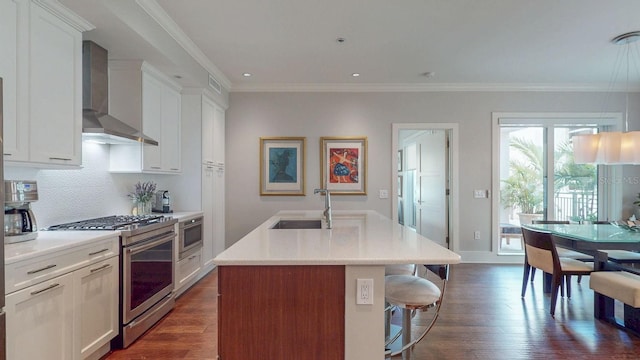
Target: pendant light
615, 147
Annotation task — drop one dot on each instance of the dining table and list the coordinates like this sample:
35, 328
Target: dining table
589, 239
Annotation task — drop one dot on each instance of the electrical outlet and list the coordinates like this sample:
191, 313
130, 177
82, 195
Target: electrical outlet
364, 291
476, 235
384, 194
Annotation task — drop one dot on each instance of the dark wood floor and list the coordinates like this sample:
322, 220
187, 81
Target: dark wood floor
482, 317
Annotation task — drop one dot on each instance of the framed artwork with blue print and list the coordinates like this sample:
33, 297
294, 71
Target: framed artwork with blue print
282, 167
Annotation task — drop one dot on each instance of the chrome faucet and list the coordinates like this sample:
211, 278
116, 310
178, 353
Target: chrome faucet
327, 205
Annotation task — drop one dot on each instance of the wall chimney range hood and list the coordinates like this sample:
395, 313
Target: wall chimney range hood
97, 124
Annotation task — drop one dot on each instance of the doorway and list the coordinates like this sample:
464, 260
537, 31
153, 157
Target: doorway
425, 163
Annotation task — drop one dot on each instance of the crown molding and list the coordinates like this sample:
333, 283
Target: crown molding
66, 15
441, 87
154, 10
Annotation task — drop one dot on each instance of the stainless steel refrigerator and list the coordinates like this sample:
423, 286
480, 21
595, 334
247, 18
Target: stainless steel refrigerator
3, 320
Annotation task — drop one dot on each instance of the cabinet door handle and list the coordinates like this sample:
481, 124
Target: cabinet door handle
100, 268
7, 154
52, 286
175, 169
191, 257
42, 269
59, 158
98, 252
155, 167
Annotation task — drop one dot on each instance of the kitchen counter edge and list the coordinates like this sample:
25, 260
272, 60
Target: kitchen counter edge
49, 242
401, 237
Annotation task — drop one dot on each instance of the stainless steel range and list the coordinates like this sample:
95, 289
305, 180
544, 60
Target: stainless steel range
146, 269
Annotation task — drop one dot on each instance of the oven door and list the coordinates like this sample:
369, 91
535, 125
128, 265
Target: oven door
147, 274
191, 234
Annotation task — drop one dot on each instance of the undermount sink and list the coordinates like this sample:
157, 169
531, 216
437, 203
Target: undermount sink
298, 224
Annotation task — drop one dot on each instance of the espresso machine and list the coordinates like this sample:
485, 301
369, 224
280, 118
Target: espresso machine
163, 202
19, 221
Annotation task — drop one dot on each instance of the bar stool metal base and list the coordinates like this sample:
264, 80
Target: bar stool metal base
427, 296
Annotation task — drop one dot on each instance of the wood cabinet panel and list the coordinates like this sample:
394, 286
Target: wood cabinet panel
301, 316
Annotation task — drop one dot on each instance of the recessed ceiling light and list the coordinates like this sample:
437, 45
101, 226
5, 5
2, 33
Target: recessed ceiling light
246, 74
355, 74
341, 40
177, 76
429, 74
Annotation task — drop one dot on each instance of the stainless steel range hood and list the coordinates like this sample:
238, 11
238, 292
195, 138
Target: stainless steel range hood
97, 124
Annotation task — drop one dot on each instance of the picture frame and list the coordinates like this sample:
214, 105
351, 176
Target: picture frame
343, 165
282, 166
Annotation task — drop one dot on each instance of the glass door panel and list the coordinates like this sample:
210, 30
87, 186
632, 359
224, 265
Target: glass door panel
522, 169
575, 195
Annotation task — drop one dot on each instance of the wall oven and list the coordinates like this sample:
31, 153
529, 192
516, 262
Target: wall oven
190, 236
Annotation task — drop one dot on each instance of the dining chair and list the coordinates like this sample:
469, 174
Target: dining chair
564, 252
541, 253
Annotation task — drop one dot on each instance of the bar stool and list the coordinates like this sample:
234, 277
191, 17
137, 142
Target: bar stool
411, 293
394, 269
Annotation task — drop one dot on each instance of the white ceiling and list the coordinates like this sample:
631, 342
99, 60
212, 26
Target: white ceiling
292, 43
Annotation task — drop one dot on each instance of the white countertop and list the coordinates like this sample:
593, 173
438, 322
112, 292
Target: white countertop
52, 241
184, 215
356, 238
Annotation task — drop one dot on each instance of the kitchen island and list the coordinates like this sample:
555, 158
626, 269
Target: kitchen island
291, 293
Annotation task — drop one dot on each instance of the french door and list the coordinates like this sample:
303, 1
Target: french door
537, 177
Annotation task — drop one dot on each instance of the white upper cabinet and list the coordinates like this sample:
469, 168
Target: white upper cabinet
152, 122
149, 100
171, 108
55, 89
41, 64
213, 118
15, 136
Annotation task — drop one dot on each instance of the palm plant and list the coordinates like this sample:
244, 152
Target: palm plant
522, 190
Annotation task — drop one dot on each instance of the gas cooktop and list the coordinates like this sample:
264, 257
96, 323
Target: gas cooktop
115, 222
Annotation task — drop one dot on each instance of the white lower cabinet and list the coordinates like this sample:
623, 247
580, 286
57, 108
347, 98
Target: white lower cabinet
96, 312
69, 310
188, 270
40, 320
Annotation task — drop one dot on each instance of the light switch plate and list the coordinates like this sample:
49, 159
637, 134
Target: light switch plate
479, 194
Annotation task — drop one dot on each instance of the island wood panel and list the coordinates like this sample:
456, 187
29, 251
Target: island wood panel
281, 312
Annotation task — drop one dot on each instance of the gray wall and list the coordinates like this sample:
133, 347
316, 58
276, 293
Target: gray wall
252, 115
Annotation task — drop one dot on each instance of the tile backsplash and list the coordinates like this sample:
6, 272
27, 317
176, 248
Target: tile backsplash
76, 194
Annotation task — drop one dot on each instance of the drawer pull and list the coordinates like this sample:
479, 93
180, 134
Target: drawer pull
100, 268
59, 158
52, 286
43, 269
191, 257
98, 252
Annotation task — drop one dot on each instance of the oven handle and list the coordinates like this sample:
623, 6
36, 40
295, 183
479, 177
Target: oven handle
150, 243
